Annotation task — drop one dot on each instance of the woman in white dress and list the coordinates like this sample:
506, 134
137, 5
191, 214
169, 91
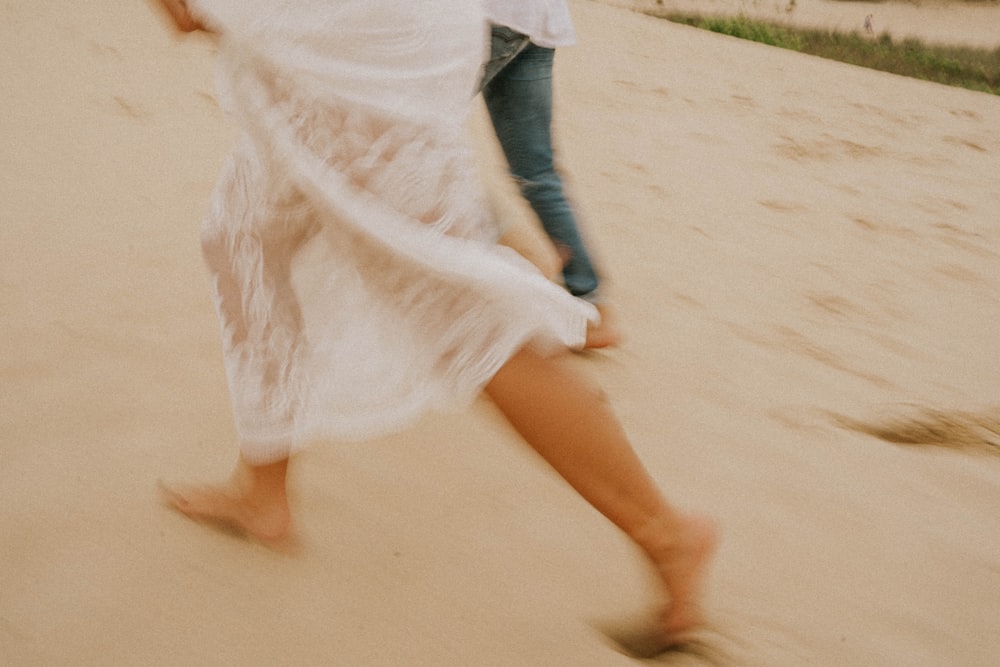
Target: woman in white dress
357, 278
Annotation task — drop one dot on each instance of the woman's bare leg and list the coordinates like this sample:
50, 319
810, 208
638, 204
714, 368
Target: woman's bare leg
254, 502
248, 251
571, 426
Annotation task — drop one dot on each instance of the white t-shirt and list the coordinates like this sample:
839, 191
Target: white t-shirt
546, 22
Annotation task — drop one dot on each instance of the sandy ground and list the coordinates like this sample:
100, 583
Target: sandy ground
788, 239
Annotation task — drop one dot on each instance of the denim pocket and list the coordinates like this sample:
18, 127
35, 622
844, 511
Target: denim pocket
505, 45
506, 35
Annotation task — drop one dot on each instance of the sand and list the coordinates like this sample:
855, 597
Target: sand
796, 246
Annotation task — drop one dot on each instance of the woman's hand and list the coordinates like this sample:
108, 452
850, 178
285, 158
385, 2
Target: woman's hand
178, 11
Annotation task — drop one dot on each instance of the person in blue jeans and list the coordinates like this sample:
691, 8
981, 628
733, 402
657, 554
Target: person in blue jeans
517, 89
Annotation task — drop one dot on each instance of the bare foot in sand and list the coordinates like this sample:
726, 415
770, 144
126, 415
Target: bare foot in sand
681, 561
253, 503
606, 332
681, 555
684, 573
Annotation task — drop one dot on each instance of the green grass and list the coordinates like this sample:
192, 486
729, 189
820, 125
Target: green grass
975, 69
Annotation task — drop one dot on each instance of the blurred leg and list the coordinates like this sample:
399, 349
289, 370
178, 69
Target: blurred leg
572, 427
519, 100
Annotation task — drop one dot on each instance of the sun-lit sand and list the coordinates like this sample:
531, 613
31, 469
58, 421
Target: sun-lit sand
800, 250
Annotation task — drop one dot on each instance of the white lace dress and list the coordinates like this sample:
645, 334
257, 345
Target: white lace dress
353, 256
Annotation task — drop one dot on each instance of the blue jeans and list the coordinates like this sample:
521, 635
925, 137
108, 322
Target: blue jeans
517, 87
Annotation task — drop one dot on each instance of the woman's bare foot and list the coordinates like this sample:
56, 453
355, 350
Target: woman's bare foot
685, 574
681, 554
253, 503
681, 560
221, 507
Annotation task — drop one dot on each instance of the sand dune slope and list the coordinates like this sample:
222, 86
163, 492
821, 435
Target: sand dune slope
796, 246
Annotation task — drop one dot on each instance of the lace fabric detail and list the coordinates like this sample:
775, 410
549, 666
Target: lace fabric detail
350, 243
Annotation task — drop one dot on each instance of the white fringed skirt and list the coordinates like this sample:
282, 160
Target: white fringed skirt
351, 249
